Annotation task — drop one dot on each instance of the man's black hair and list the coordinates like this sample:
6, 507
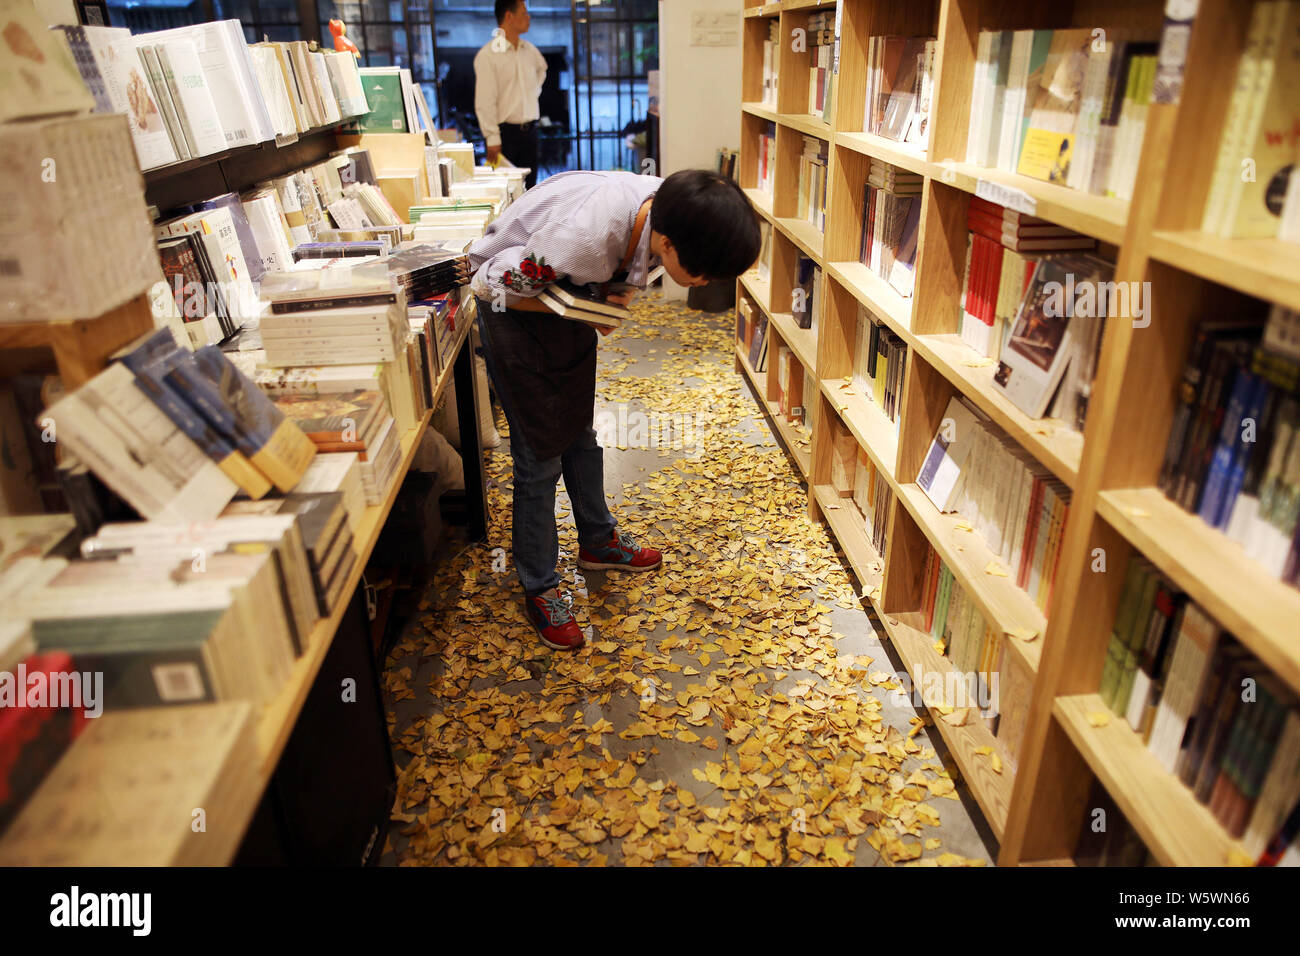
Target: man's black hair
505, 6
710, 222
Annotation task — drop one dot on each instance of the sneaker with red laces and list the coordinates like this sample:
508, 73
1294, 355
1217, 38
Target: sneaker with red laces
554, 621
619, 553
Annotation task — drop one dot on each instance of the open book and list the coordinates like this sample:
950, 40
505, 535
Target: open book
583, 304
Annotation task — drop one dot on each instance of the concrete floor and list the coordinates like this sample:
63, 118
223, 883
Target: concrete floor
470, 643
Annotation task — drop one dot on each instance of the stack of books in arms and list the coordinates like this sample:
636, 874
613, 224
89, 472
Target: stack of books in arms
1209, 710
1233, 454
1065, 106
806, 298
891, 218
1011, 501
583, 304
1260, 125
900, 88
771, 62
821, 73
198, 90
879, 360
811, 205
353, 421
1002, 249
767, 160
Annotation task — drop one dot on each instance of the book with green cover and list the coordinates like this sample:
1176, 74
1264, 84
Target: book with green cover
383, 89
1147, 617
1110, 675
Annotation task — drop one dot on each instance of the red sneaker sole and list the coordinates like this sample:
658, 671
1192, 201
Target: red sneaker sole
617, 566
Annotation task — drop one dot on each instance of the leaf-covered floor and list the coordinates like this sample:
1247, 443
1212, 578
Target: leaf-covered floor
735, 707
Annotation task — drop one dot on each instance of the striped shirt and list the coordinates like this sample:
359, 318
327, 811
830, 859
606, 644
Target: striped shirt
575, 224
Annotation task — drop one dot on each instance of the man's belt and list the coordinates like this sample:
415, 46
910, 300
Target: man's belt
521, 126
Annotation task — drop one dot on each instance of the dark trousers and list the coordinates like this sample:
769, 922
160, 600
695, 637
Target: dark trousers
519, 144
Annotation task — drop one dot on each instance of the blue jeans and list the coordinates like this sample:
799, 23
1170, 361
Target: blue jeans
536, 544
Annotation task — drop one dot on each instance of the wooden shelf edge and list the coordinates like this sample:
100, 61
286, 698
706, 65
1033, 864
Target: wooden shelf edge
1215, 571
761, 201
761, 111
1263, 268
804, 235
1003, 604
759, 289
1056, 446
1178, 829
808, 124
844, 520
803, 342
1101, 217
902, 155
876, 294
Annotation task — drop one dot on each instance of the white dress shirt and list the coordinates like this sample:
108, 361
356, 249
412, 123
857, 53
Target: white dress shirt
507, 82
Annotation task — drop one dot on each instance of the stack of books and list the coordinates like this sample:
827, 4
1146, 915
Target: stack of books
1000, 259
1011, 501
891, 217
583, 304
323, 521
1177, 678
879, 360
452, 220
900, 88
1065, 106
424, 270
356, 421
1262, 119
821, 72
1233, 456
812, 182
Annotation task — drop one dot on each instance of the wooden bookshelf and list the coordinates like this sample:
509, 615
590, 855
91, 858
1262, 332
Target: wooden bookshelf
1111, 468
796, 443
1179, 830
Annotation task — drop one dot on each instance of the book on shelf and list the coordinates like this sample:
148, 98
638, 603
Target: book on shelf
1106, 838
338, 472
808, 296
811, 195
758, 346
764, 263
725, 161
873, 496
891, 214
1006, 497
790, 384
40, 76
771, 62
1259, 127
1063, 106
974, 646
823, 31
766, 182
1231, 456
880, 357
355, 421
844, 459
899, 88
1058, 325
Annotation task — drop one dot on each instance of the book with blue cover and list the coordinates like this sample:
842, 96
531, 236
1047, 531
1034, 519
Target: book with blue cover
237, 408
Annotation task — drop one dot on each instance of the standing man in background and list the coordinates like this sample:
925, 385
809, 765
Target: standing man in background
508, 76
